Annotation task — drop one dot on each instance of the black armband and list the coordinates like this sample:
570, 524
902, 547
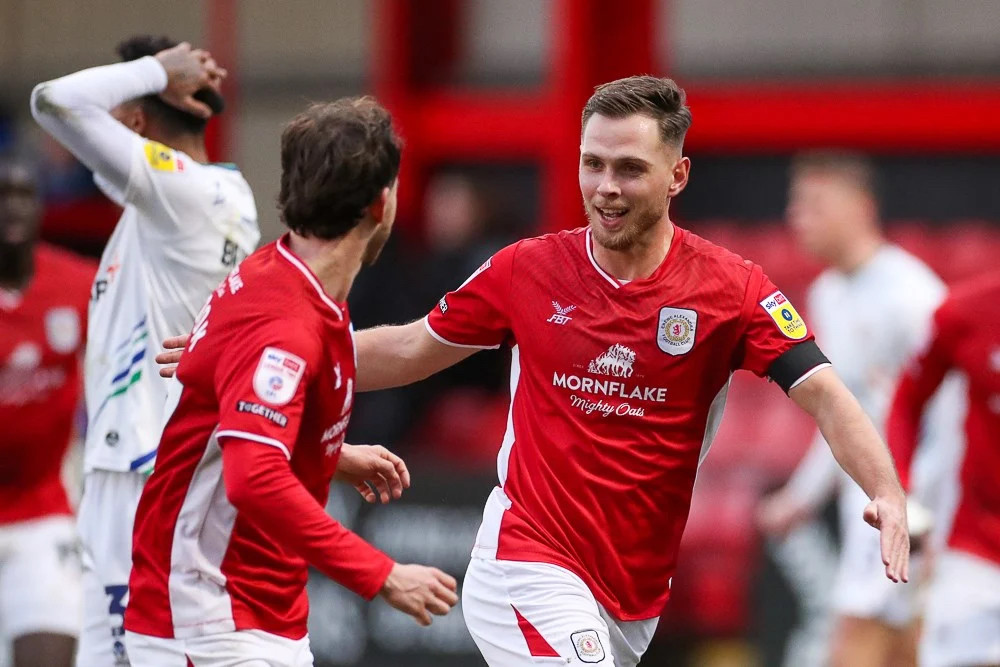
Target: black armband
787, 369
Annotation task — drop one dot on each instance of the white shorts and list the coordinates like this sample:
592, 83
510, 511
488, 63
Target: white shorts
106, 515
40, 578
861, 588
244, 648
963, 613
522, 613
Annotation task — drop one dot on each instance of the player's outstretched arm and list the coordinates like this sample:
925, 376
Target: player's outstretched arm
76, 109
393, 356
860, 451
388, 356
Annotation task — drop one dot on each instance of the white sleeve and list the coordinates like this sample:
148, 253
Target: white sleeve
75, 110
815, 478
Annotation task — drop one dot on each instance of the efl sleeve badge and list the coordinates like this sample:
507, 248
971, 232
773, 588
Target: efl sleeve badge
784, 315
277, 376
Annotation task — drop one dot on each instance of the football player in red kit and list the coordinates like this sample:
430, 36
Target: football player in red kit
43, 311
963, 607
233, 513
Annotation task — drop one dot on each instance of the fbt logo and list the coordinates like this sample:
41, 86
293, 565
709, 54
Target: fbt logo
560, 316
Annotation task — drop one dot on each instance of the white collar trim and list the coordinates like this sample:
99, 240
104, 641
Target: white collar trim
297, 263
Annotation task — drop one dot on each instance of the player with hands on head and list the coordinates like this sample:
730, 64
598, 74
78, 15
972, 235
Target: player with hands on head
139, 125
234, 511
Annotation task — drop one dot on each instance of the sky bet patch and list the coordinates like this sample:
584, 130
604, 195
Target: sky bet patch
784, 315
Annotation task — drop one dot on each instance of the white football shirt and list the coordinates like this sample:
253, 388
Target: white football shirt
185, 226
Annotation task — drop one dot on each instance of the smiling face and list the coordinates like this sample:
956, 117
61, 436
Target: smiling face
627, 177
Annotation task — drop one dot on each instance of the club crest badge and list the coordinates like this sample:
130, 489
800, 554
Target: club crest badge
588, 646
676, 329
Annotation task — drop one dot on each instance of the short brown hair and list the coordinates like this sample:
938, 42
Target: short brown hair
336, 158
660, 99
850, 166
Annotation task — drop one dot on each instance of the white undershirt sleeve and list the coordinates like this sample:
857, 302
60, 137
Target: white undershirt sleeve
75, 110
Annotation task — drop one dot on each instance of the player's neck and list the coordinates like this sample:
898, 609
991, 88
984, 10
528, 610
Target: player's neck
335, 263
193, 145
641, 260
857, 253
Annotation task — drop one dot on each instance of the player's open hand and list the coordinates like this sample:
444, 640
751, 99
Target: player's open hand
420, 591
188, 71
361, 465
174, 348
888, 514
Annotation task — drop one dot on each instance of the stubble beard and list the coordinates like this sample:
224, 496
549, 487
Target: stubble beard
631, 232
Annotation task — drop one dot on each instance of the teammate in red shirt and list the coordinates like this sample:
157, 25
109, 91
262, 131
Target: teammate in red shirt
963, 615
43, 311
624, 335
233, 513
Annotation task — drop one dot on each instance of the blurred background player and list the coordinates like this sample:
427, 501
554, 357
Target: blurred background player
140, 125
869, 309
43, 312
962, 625
234, 511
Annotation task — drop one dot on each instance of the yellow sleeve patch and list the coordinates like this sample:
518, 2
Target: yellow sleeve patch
161, 158
785, 316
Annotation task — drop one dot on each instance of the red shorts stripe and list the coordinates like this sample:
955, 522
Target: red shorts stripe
537, 646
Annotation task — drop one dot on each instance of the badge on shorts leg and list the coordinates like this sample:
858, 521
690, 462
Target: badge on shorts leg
587, 645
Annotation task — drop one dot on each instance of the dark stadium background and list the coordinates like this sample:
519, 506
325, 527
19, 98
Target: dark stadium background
487, 95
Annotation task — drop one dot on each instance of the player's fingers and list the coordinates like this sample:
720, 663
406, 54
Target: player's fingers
176, 342
171, 357
438, 606
422, 617
365, 492
200, 109
446, 579
399, 465
168, 371
444, 594
388, 473
202, 55
871, 514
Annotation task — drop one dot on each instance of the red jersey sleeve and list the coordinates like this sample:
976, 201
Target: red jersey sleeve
772, 325
477, 314
261, 384
918, 382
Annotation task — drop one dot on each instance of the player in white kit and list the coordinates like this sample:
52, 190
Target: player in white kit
869, 309
139, 125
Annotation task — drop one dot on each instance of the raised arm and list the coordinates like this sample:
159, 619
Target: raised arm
393, 356
76, 109
861, 453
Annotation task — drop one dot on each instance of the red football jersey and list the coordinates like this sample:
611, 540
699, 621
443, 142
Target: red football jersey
616, 393
41, 339
966, 337
271, 360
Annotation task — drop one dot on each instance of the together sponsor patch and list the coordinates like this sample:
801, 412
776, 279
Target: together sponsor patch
270, 414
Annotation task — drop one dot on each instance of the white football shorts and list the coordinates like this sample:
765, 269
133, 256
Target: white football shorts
525, 613
106, 515
861, 588
40, 578
962, 626
243, 648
